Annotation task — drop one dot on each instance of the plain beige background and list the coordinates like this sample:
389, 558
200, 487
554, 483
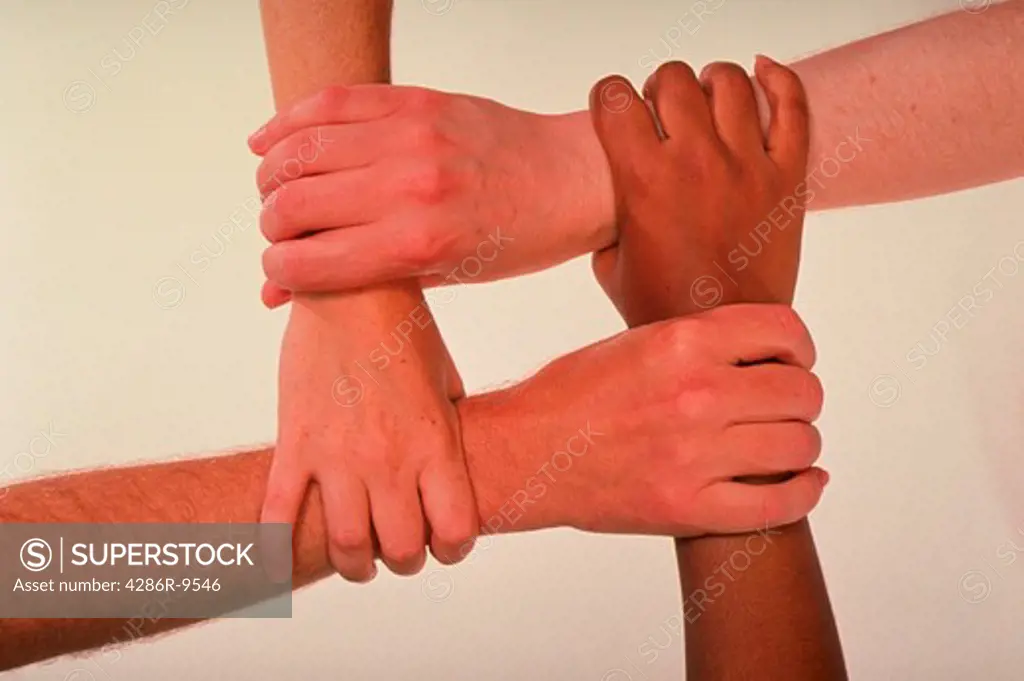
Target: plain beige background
118, 164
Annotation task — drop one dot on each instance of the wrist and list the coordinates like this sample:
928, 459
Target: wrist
388, 327
501, 457
587, 187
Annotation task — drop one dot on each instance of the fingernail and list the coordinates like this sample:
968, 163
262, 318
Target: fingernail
823, 476
764, 60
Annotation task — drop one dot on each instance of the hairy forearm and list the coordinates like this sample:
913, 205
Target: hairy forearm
230, 489
222, 489
313, 45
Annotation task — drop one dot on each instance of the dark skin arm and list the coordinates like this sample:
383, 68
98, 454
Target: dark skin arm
710, 212
597, 402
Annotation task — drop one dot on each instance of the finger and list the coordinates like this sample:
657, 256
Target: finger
623, 124
349, 537
789, 136
323, 149
767, 448
355, 257
342, 199
751, 333
332, 106
398, 519
742, 508
274, 296
450, 508
774, 392
286, 490
679, 102
733, 105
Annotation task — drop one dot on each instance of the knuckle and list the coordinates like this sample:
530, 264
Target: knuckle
287, 204
707, 162
807, 444
724, 74
280, 266
289, 159
812, 393
430, 183
764, 182
424, 101
421, 248
350, 539
429, 247
673, 504
266, 177
679, 337
404, 551
330, 99
458, 531
427, 138
289, 146
786, 319
268, 225
697, 400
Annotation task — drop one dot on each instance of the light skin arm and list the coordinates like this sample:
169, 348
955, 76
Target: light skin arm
923, 110
918, 111
401, 470
571, 446
939, 101
226, 489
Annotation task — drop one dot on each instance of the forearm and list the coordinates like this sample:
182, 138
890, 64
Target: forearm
757, 607
221, 489
922, 110
230, 489
313, 45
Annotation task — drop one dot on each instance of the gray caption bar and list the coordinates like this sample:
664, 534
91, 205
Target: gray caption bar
182, 570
